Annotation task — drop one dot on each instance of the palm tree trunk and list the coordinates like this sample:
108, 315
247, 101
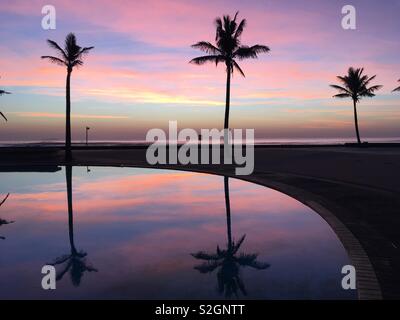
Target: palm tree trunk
68, 174
228, 95
356, 121
227, 103
68, 155
228, 212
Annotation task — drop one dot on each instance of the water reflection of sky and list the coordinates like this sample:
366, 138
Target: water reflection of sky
139, 227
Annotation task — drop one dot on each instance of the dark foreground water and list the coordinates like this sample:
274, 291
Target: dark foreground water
154, 234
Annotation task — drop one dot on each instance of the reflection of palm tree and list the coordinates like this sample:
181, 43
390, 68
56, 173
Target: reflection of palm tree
70, 57
75, 262
229, 261
397, 89
355, 87
4, 222
1, 93
227, 49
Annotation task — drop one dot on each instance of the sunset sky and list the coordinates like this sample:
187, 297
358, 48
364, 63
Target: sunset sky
138, 76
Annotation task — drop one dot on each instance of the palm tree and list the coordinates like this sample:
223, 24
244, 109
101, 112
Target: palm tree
228, 49
76, 260
1, 93
4, 222
355, 86
229, 261
397, 89
71, 56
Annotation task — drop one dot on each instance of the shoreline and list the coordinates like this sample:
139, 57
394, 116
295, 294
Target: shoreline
122, 146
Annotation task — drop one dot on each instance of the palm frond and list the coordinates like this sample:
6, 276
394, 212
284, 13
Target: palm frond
218, 27
240, 28
86, 50
369, 92
236, 246
229, 24
206, 47
245, 259
397, 89
246, 52
61, 274
79, 267
77, 63
207, 267
355, 85
343, 80
237, 67
342, 95
221, 253
55, 46
82, 52
227, 38
2, 221
60, 260
90, 268
70, 43
55, 60
258, 48
4, 200
6, 221
374, 88
70, 55
233, 25
201, 255
259, 265
211, 58
4, 92
341, 89
250, 260
1, 114
241, 286
366, 80
81, 254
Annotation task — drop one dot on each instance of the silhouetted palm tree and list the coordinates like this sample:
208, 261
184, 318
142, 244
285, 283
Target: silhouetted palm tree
228, 49
75, 262
355, 86
397, 89
229, 261
1, 93
3, 222
71, 56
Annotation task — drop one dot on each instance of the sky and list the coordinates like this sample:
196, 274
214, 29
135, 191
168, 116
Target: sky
138, 77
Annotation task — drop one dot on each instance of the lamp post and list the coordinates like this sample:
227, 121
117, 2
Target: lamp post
87, 135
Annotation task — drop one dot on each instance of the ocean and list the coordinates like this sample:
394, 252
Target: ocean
257, 141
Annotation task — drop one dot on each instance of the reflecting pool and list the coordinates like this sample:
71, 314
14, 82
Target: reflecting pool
130, 233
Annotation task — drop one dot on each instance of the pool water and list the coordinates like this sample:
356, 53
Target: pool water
131, 233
